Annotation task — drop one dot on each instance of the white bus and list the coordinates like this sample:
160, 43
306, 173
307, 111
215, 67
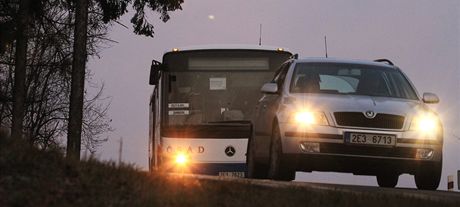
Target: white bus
202, 103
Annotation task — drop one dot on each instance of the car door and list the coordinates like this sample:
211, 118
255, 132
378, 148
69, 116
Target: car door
269, 102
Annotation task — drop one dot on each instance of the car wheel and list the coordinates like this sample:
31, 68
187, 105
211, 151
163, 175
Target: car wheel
387, 180
428, 176
279, 168
255, 168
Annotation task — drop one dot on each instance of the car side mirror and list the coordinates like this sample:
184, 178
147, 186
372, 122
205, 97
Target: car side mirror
269, 88
430, 98
155, 72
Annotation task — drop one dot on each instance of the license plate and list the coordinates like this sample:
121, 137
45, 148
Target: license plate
370, 139
232, 174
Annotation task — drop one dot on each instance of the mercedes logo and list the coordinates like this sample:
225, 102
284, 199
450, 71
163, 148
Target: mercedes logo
230, 151
370, 114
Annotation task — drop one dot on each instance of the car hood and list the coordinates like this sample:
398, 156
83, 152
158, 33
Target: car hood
358, 103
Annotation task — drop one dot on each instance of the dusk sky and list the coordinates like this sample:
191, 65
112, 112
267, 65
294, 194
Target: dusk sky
422, 37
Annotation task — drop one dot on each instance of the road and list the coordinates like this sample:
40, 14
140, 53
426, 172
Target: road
446, 196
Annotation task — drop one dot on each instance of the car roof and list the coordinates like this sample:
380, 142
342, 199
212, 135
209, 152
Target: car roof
344, 61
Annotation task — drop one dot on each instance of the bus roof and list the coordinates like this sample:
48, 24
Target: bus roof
229, 47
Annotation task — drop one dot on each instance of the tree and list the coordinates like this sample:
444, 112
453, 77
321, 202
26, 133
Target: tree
26, 11
108, 10
49, 58
78, 80
20, 69
111, 10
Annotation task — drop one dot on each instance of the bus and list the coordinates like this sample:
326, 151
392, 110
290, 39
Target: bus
202, 102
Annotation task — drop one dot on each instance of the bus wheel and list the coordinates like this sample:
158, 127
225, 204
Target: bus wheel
279, 166
152, 159
255, 169
151, 166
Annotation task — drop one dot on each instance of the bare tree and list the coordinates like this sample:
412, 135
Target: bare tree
54, 72
48, 80
78, 80
111, 10
19, 89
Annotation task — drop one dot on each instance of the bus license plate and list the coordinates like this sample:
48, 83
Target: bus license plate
232, 174
371, 139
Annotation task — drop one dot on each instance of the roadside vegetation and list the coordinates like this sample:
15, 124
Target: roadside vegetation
30, 176
44, 47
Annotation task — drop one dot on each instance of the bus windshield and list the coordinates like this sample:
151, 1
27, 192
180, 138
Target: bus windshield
203, 87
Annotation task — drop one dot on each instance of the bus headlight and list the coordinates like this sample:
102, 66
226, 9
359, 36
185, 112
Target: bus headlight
427, 124
181, 159
308, 118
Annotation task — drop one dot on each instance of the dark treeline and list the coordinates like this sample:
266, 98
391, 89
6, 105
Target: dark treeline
48, 29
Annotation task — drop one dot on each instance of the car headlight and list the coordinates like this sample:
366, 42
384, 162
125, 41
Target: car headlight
427, 124
308, 118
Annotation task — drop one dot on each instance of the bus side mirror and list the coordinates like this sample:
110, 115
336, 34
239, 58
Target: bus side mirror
155, 72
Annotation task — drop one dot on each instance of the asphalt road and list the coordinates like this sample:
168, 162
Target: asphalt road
449, 196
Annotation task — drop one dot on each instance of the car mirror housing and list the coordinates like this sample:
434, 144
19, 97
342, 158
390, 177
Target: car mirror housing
269, 88
430, 98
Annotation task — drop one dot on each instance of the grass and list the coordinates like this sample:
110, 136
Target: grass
33, 177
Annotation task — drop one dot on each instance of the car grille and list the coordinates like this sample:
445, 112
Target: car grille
357, 119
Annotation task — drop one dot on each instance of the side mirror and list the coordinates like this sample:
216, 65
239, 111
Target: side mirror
430, 98
269, 88
154, 72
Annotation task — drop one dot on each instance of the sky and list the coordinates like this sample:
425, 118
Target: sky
422, 37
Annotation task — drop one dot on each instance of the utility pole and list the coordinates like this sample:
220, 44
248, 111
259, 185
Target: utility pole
325, 44
260, 34
120, 151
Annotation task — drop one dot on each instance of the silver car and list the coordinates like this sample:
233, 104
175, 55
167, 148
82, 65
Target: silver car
360, 117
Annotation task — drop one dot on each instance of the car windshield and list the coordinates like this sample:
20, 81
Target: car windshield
358, 79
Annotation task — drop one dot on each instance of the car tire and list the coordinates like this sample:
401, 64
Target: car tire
387, 180
428, 176
279, 167
256, 169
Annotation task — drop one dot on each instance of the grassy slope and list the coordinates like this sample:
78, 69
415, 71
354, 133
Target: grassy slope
30, 177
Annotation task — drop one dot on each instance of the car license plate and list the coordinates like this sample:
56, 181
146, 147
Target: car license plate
232, 174
370, 139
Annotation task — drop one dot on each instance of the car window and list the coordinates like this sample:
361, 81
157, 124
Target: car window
341, 84
359, 79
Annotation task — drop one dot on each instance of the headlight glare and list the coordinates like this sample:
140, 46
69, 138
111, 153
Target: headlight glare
181, 159
307, 118
427, 124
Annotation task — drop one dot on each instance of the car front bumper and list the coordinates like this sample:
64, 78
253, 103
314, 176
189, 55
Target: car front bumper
328, 151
